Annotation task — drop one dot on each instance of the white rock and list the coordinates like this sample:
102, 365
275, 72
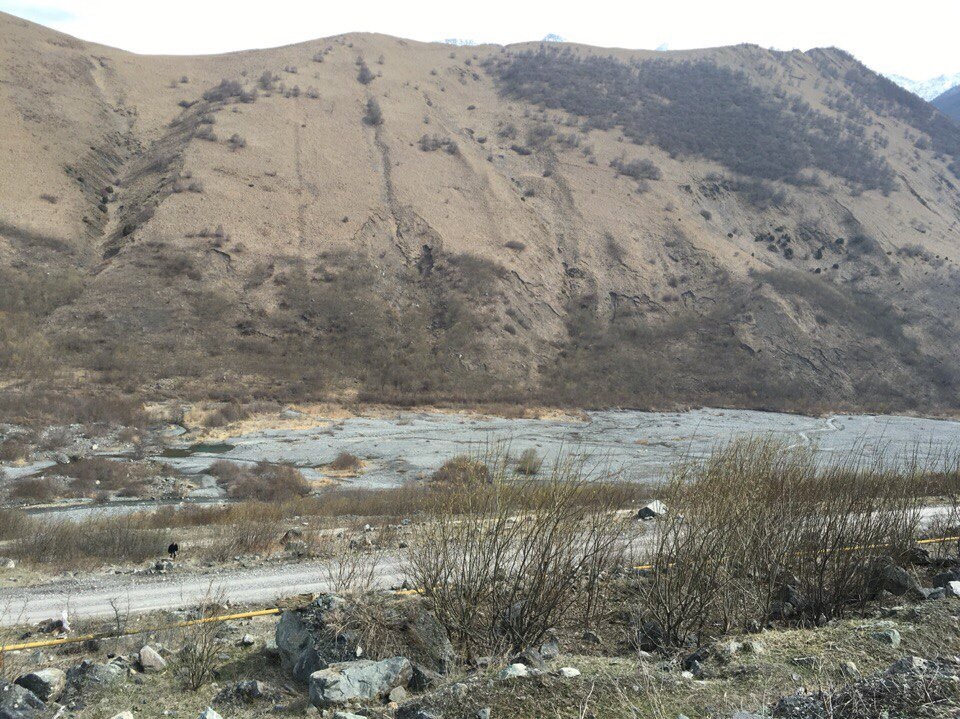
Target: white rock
514, 671
150, 659
953, 589
568, 672
123, 715
209, 713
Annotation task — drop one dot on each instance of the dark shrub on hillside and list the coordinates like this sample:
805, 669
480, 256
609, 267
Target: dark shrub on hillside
224, 91
462, 471
637, 169
374, 115
364, 76
695, 108
430, 143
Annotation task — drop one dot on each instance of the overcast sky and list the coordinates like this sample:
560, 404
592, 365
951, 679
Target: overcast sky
917, 39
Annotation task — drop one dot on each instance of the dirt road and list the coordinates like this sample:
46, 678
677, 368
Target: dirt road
140, 593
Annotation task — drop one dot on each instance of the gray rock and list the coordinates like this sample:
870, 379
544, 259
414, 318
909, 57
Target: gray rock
907, 664
150, 660
17, 702
568, 672
514, 671
887, 636
209, 713
550, 649
246, 691
348, 715
655, 509
8, 563
483, 713
896, 580
397, 694
531, 657
296, 645
123, 715
364, 679
247, 640
91, 673
46, 684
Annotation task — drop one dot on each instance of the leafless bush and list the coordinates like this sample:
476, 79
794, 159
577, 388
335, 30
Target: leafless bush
201, 642
345, 462
462, 471
271, 483
757, 525
351, 569
42, 489
530, 462
507, 569
236, 142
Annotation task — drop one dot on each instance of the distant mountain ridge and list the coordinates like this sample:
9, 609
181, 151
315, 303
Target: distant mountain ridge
949, 103
928, 89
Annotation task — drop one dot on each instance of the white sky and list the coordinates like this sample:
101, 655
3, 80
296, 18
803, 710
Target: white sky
917, 39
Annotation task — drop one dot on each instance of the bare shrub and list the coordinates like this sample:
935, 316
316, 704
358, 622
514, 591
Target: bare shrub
345, 462
462, 471
756, 524
530, 462
201, 642
38, 490
507, 568
269, 483
236, 142
637, 169
14, 450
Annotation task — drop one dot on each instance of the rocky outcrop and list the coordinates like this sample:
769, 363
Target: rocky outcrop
346, 682
17, 702
46, 684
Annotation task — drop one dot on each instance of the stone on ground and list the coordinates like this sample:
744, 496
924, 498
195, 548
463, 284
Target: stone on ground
47, 684
150, 659
364, 679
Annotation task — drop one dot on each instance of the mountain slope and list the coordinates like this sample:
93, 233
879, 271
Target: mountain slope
949, 103
365, 216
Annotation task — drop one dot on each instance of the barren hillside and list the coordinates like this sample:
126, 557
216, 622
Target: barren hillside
369, 216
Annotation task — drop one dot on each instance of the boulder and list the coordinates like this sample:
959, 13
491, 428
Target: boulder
655, 509
550, 649
907, 664
46, 684
530, 657
887, 636
150, 660
896, 580
944, 578
514, 671
17, 702
246, 691
423, 678
307, 642
297, 634
91, 673
363, 679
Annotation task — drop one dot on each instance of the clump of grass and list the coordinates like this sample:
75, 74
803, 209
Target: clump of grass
346, 462
529, 463
462, 471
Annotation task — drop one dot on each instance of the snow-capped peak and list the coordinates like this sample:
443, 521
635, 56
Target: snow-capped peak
928, 89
